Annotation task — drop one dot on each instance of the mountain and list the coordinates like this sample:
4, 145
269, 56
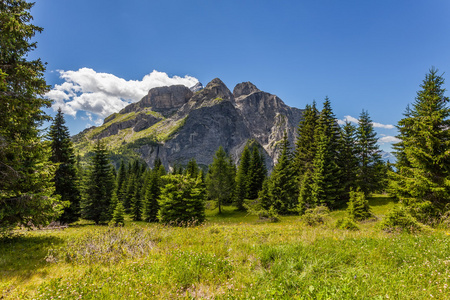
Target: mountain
176, 123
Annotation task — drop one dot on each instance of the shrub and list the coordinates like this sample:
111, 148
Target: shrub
347, 223
399, 219
316, 216
255, 208
358, 206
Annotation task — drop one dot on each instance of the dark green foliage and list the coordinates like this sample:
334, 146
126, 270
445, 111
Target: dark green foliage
26, 188
241, 186
136, 201
423, 171
348, 161
118, 218
371, 170
399, 220
347, 224
152, 192
358, 206
220, 178
98, 187
305, 198
66, 177
121, 181
306, 144
282, 185
182, 201
326, 178
192, 170
257, 173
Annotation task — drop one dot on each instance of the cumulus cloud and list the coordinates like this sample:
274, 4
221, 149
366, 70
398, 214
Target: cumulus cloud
103, 94
355, 120
388, 139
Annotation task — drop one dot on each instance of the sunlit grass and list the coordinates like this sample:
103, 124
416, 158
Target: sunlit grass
232, 256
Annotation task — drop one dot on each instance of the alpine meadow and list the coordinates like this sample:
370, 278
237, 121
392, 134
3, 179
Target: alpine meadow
198, 192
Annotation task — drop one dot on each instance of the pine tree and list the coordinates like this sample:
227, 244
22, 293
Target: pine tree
26, 188
370, 171
152, 193
306, 145
257, 173
282, 185
348, 162
422, 178
182, 201
220, 178
192, 169
358, 206
326, 177
98, 187
241, 185
66, 177
118, 218
121, 181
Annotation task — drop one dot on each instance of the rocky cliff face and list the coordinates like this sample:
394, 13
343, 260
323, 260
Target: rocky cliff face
182, 124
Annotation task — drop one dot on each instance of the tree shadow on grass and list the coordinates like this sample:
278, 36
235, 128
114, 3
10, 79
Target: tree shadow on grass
22, 256
380, 200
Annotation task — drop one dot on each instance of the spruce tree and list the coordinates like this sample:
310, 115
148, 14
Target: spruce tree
118, 218
192, 169
282, 185
326, 177
98, 187
26, 188
241, 185
66, 177
182, 201
220, 178
257, 173
371, 170
152, 193
306, 145
121, 181
348, 161
422, 177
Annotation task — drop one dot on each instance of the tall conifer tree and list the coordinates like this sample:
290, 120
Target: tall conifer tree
66, 179
348, 161
257, 173
26, 188
241, 186
282, 184
371, 169
423, 172
98, 187
220, 178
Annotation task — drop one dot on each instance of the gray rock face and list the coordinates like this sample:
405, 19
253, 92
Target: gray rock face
210, 118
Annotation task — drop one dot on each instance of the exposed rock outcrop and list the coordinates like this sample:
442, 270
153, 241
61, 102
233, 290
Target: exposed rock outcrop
193, 125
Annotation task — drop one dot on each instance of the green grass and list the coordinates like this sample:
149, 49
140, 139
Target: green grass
231, 256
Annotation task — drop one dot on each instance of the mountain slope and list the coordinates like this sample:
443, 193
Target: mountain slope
175, 124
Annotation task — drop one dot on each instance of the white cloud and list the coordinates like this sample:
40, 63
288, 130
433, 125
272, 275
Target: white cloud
103, 94
388, 139
355, 120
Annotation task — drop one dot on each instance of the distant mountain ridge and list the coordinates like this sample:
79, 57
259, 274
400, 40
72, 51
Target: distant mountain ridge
176, 124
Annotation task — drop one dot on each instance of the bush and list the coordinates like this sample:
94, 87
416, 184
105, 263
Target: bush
316, 216
182, 201
399, 219
358, 206
346, 223
255, 208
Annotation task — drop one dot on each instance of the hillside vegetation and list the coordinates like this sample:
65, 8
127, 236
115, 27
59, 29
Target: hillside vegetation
231, 256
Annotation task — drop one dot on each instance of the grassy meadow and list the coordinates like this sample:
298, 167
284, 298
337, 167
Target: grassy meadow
231, 256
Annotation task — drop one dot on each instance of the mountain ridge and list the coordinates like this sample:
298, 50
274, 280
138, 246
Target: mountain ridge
176, 124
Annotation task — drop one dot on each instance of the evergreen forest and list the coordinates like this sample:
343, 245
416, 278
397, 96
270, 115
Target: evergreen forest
331, 220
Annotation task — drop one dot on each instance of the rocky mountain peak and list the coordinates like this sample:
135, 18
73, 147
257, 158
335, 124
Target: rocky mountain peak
244, 88
197, 87
217, 87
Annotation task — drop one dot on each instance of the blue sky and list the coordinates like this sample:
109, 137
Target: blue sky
369, 55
